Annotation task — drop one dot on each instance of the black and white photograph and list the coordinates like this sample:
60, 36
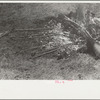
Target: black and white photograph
49, 41
49, 49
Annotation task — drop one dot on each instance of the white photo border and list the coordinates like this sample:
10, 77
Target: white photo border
48, 89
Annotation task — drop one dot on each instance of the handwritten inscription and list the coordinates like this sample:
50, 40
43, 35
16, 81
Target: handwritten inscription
61, 81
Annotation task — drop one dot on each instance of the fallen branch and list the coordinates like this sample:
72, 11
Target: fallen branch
93, 47
79, 27
13, 30
48, 52
6, 33
36, 29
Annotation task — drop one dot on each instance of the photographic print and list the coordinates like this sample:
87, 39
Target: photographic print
49, 49
49, 41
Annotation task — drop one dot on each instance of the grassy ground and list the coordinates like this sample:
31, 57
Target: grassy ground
16, 63
16, 50
77, 66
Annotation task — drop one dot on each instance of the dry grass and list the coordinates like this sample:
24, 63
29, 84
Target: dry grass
16, 63
77, 67
16, 50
